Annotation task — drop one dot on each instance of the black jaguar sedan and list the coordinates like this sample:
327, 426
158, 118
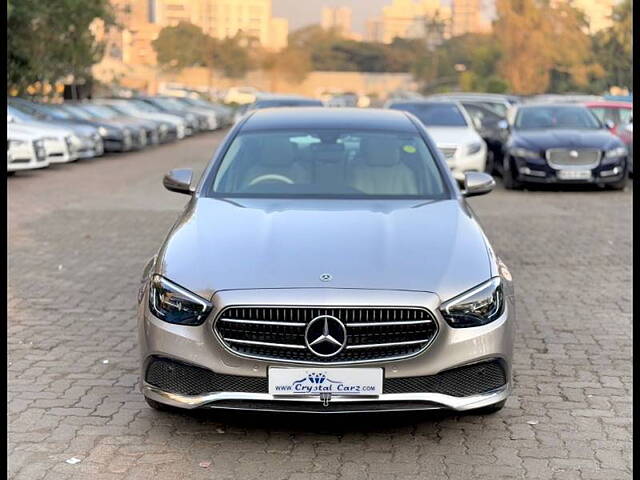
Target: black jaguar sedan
562, 144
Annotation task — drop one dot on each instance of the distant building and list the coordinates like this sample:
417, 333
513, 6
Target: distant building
409, 19
598, 12
338, 18
225, 18
278, 33
467, 17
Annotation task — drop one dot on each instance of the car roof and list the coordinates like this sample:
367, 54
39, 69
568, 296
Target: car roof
334, 118
522, 106
610, 104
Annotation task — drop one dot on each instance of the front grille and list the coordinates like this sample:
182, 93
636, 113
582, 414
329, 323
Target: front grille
177, 377
278, 333
448, 152
558, 157
38, 147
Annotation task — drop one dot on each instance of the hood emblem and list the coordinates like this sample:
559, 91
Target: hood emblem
573, 154
326, 277
325, 336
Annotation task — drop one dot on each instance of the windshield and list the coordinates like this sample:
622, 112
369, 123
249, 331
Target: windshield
434, 114
544, 117
328, 163
19, 114
145, 107
124, 108
58, 112
167, 104
99, 111
77, 112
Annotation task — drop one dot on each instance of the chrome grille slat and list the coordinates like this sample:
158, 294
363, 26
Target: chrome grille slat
573, 157
264, 344
373, 333
263, 322
380, 345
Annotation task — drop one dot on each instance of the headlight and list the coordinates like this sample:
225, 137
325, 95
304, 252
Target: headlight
478, 306
474, 148
524, 153
174, 304
617, 152
103, 131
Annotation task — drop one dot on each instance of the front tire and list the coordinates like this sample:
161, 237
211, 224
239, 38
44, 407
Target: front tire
508, 176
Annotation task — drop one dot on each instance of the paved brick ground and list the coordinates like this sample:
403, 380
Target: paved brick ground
80, 234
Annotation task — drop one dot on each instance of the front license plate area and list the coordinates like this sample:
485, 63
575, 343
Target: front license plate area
574, 174
323, 381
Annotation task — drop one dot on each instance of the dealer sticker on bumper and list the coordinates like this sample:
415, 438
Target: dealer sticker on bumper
318, 381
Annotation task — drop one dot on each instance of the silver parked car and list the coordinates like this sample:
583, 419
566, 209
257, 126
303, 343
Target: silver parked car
327, 261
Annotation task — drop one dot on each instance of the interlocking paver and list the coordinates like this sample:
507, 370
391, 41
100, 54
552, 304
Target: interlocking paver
80, 234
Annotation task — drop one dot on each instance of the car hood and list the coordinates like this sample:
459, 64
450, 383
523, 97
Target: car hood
80, 128
453, 135
434, 246
43, 129
544, 139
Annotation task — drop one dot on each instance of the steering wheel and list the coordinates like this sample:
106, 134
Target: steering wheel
271, 176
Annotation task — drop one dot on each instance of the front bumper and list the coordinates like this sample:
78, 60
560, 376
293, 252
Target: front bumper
451, 348
540, 172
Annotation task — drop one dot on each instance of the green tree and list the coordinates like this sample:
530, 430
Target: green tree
613, 48
48, 41
181, 46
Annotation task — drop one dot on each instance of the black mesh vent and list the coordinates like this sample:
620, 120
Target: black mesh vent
457, 382
176, 377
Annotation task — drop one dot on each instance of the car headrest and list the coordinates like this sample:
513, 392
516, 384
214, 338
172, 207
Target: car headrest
328, 152
277, 151
380, 152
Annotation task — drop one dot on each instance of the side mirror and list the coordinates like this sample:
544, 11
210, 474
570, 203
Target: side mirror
503, 125
179, 180
609, 124
477, 183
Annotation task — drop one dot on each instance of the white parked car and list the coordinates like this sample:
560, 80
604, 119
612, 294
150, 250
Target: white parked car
241, 95
25, 151
453, 131
60, 143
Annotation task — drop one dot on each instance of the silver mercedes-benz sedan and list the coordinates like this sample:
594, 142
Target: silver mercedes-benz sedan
327, 261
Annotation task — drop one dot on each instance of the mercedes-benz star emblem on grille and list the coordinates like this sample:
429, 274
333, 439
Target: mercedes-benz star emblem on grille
325, 336
326, 277
573, 154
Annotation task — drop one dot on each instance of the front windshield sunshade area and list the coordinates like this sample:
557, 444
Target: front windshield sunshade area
435, 114
563, 117
329, 163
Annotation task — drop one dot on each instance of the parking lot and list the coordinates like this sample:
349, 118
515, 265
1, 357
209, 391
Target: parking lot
80, 234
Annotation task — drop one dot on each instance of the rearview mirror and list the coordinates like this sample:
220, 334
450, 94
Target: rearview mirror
179, 180
477, 183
